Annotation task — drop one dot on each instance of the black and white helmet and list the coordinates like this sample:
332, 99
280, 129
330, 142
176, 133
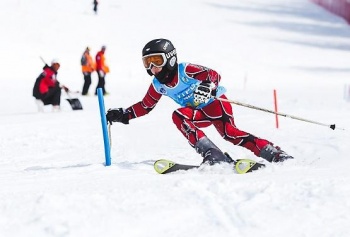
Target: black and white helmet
163, 48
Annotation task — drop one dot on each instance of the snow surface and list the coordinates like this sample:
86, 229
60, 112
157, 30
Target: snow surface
52, 174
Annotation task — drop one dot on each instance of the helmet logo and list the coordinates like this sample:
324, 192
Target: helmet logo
166, 45
170, 54
172, 61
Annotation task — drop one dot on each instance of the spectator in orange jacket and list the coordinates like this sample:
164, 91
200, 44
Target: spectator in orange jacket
47, 88
102, 69
87, 67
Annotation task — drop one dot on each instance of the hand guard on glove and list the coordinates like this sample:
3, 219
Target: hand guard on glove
204, 92
117, 115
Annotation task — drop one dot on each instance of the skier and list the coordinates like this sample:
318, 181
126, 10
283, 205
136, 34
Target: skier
95, 6
193, 87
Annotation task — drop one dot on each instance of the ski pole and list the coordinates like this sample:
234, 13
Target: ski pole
42, 60
332, 126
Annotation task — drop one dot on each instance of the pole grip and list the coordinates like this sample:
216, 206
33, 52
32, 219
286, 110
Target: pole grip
104, 127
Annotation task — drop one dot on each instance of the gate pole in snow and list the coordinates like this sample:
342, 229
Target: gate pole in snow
104, 126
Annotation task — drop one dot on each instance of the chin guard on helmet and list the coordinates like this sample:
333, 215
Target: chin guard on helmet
149, 72
165, 75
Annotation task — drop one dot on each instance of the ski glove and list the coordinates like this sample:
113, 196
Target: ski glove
117, 115
204, 91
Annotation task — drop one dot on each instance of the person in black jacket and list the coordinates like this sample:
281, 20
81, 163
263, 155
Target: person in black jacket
95, 6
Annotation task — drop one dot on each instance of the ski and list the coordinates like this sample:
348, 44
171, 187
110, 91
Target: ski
241, 166
167, 166
75, 103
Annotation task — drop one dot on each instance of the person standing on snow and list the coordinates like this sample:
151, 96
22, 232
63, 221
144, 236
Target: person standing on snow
102, 69
193, 88
87, 66
47, 88
95, 6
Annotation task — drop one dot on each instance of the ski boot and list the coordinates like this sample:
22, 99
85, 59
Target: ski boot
211, 154
274, 154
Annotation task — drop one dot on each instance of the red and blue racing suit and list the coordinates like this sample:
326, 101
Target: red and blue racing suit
191, 117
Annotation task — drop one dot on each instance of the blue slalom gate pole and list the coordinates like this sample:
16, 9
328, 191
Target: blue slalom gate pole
104, 126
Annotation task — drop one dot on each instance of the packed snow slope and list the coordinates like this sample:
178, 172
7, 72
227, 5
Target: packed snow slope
52, 174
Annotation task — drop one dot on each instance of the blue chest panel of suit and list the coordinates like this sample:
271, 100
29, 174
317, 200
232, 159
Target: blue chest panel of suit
182, 93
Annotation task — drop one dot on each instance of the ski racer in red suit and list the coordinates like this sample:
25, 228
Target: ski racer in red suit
194, 88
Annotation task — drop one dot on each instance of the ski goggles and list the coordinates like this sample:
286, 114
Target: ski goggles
155, 59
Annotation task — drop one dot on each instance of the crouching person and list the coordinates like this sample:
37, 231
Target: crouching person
47, 89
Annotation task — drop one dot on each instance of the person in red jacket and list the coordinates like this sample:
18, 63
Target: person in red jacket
47, 88
195, 88
102, 69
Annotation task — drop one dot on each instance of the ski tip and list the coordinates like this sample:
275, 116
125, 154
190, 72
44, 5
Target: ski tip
244, 166
161, 166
